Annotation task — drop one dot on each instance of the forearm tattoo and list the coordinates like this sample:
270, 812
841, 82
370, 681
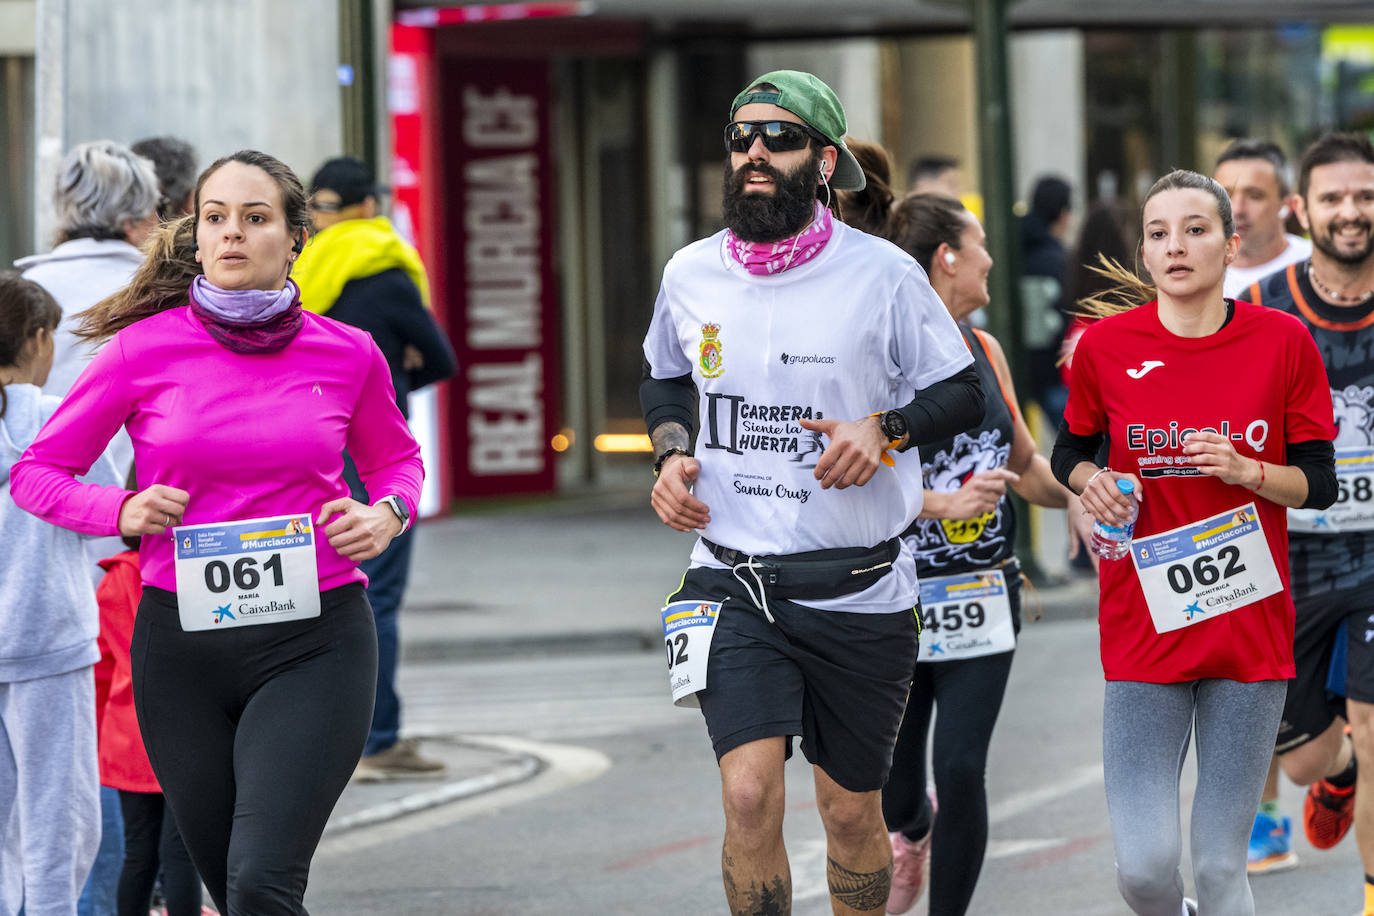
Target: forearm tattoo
859, 891
670, 435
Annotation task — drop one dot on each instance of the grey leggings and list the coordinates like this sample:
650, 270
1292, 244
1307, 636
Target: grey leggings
1145, 731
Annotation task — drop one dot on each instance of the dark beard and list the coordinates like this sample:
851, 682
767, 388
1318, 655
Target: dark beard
1326, 244
757, 217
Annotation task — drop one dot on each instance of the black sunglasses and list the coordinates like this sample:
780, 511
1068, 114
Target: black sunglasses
777, 136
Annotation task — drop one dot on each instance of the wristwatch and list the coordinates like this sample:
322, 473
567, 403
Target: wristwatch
894, 428
399, 507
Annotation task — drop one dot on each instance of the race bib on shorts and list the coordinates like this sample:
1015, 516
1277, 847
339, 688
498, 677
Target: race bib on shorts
241, 574
687, 630
1205, 569
965, 616
1353, 509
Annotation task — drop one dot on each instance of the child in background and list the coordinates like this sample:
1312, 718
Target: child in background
151, 838
49, 786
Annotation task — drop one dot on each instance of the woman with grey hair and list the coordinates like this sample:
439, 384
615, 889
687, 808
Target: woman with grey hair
106, 200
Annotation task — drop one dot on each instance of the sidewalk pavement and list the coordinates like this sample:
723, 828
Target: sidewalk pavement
584, 573
573, 574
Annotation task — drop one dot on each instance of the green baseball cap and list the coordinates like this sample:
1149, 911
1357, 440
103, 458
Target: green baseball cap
813, 101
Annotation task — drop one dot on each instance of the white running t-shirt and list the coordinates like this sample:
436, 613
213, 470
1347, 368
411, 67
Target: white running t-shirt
1239, 279
856, 330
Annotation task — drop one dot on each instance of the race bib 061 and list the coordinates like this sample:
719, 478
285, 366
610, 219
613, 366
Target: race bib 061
240, 574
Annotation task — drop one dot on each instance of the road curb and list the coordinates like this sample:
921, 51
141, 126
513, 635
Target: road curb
524, 768
467, 648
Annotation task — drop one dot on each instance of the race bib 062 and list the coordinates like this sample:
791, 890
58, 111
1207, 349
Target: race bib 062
1205, 569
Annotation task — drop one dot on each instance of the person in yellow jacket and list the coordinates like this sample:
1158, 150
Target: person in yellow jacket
357, 269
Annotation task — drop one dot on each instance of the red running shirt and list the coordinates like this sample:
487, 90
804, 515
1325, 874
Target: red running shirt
1139, 385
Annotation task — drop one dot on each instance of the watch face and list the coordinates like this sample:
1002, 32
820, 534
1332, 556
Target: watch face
894, 425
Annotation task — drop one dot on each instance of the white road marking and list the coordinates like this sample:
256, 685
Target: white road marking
564, 767
808, 861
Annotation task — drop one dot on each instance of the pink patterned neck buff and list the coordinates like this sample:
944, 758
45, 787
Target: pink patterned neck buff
764, 258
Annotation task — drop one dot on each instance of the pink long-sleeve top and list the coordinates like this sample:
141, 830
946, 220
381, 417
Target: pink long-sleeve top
247, 435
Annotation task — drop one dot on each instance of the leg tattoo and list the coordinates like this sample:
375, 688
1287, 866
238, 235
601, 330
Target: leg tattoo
771, 898
858, 891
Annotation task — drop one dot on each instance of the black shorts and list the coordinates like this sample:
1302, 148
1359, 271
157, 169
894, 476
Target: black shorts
838, 679
1310, 708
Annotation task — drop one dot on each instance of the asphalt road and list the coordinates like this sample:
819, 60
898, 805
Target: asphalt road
623, 814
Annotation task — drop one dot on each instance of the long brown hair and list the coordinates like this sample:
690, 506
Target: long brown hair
164, 279
1127, 289
25, 309
917, 223
868, 209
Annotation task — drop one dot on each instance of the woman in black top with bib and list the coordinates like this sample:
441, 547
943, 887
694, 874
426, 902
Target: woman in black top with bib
970, 582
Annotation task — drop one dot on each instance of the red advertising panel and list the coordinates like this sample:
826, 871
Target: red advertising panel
416, 189
499, 253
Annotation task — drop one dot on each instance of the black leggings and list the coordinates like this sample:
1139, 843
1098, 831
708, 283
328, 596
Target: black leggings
969, 693
253, 733
151, 841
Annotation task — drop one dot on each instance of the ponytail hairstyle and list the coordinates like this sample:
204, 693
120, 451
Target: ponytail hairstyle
920, 223
163, 281
25, 309
1128, 289
868, 209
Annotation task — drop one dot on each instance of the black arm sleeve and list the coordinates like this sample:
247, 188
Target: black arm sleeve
664, 400
946, 408
1316, 458
416, 326
1070, 449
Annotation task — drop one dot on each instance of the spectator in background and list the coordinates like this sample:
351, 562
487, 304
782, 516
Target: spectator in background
174, 160
50, 811
934, 174
358, 270
151, 839
1255, 175
106, 201
1103, 235
1044, 283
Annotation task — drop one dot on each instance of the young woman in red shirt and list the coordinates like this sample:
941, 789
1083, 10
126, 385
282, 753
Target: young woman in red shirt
1218, 412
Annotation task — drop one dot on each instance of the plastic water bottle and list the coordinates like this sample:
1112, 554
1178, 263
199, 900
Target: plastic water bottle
1112, 542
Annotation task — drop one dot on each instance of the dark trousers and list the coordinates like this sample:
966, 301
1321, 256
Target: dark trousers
253, 733
386, 585
152, 841
387, 575
969, 695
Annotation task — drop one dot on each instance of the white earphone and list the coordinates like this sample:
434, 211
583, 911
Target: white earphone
949, 258
1283, 212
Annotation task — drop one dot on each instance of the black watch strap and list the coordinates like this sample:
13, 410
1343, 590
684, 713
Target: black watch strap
894, 425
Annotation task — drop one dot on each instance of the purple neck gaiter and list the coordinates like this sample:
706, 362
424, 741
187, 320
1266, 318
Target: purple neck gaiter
248, 320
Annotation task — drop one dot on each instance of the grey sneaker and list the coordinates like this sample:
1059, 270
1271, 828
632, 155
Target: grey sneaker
402, 760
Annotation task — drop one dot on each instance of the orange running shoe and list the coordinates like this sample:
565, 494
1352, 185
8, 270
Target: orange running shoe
1327, 813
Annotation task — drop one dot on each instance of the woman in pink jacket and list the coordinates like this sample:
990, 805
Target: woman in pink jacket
254, 654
